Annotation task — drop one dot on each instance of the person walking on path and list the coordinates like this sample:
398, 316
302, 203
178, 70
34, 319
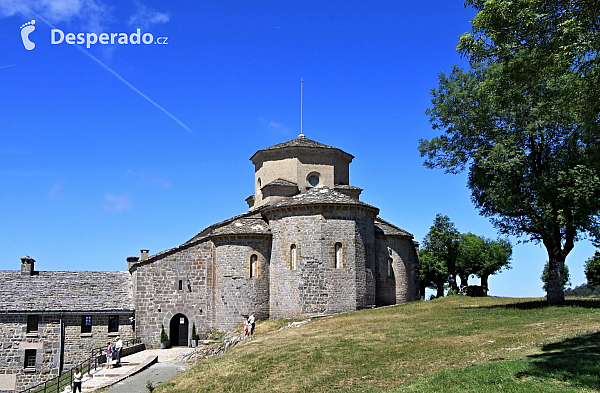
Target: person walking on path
118, 350
252, 322
77, 380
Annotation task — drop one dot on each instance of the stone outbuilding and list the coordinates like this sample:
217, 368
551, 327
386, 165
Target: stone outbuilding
50, 320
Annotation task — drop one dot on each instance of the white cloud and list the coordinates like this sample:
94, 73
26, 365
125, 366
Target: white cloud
116, 202
147, 179
55, 193
273, 126
93, 15
145, 17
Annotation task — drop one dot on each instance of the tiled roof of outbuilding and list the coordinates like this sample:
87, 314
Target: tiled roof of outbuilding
385, 228
320, 195
66, 291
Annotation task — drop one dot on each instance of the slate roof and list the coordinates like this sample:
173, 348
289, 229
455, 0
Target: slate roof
281, 183
301, 141
385, 228
320, 195
66, 291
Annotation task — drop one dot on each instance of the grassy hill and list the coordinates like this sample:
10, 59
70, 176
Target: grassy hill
454, 344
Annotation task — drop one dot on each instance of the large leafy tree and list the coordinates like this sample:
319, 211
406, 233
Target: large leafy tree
592, 270
524, 120
442, 242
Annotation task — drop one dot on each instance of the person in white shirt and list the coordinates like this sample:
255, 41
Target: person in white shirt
118, 349
77, 380
252, 322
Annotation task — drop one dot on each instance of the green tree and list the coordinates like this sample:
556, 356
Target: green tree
442, 241
432, 274
592, 270
497, 257
482, 257
471, 253
565, 275
524, 120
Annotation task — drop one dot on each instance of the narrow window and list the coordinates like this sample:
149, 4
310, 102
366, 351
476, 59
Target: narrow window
293, 257
180, 285
338, 255
113, 324
253, 265
86, 324
390, 267
32, 323
29, 358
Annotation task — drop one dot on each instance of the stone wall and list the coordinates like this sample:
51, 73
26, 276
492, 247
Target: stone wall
237, 294
78, 345
157, 297
402, 284
15, 340
316, 286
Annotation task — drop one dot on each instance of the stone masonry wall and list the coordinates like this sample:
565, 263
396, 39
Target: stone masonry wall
15, 340
400, 286
78, 345
236, 293
158, 297
316, 286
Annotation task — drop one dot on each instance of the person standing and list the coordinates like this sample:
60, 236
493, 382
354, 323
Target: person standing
77, 380
109, 354
118, 350
252, 322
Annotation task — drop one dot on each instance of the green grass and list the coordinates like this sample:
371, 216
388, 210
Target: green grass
455, 344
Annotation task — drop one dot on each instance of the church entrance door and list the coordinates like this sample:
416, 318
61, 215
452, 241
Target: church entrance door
178, 329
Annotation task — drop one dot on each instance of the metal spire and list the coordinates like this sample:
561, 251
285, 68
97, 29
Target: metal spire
301, 109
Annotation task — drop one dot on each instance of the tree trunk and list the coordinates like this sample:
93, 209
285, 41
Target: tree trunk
440, 289
464, 282
556, 264
484, 283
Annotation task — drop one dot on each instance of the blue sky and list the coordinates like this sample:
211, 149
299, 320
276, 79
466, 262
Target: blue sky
108, 150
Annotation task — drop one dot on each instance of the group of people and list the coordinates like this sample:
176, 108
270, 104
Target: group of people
113, 353
249, 325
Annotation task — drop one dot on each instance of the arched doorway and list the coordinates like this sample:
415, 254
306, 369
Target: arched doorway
178, 330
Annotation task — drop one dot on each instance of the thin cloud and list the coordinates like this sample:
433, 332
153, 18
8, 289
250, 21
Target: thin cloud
146, 17
146, 179
93, 15
119, 77
55, 193
273, 126
116, 202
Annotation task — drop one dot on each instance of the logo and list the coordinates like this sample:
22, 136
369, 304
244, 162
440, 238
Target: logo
26, 29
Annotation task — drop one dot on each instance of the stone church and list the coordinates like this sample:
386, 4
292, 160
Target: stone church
307, 246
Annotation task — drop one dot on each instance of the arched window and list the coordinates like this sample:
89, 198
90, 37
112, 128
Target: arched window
253, 265
390, 267
338, 255
293, 257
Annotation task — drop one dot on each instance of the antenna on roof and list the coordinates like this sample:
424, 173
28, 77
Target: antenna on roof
301, 109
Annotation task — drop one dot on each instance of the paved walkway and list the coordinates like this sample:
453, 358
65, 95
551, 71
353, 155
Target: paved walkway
133, 364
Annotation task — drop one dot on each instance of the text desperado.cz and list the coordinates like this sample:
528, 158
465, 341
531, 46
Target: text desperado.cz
57, 36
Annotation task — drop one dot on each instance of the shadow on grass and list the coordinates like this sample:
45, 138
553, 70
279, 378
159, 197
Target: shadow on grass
535, 304
574, 361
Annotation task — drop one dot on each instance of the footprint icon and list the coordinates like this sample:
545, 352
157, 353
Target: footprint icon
26, 29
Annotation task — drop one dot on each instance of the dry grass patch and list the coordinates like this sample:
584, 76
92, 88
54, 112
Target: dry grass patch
393, 347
